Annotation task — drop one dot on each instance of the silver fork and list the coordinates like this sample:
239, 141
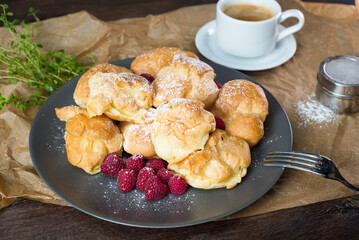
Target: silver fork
309, 162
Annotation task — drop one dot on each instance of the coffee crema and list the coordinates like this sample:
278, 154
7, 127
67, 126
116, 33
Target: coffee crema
249, 12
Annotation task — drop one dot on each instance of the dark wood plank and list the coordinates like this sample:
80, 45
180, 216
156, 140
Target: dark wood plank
102, 9
336, 219
110, 9
349, 2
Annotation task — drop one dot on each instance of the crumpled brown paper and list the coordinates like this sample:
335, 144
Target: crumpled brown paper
293, 84
337, 12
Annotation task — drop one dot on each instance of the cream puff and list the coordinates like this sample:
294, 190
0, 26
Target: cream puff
82, 90
222, 163
243, 106
181, 127
137, 139
119, 96
88, 140
188, 78
153, 61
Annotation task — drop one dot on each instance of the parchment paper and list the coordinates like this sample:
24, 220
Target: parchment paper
329, 30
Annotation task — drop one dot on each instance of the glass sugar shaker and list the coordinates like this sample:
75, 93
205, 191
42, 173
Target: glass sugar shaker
338, 83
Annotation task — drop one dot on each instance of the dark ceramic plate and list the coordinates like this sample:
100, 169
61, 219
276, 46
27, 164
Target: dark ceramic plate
99, 195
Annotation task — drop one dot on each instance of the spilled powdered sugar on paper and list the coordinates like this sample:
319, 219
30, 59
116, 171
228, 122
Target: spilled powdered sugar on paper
310, 111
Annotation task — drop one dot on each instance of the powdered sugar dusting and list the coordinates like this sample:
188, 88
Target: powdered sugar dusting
134, 202
310, 111
181, 108
238, 93
141, 133
272, 139
168, 85
196, 63
57, 142
186, 77
147, 116
138, 81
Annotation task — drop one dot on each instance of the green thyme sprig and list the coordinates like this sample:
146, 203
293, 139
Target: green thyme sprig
24, 60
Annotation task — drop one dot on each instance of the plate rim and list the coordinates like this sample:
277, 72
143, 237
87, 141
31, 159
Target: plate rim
159, 226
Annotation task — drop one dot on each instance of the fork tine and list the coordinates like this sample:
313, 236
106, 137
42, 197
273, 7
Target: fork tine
299, 158
287, 164
296, 155
284, 160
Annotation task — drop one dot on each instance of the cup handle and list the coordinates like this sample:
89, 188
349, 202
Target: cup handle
292, 29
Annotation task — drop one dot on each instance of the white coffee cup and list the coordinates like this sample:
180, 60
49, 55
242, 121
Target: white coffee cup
253, 38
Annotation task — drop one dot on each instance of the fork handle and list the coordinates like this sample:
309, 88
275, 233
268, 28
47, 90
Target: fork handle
341, 179
350, 186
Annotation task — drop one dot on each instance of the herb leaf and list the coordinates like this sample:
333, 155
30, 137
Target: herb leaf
24, 60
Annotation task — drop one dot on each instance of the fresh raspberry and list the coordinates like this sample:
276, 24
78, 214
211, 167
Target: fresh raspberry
220, 123
155, 164
148, 77
155, 189
112, 164
135, 162
143, 175
218, 84
164, 175
177, 184
126, 179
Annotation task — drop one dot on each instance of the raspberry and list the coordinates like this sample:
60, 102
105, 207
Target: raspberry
135, 162
112, 164
155, 164
155, 189
143, 175
164, 175
148, 77
126, 179
218, 84
177, 184
220, 123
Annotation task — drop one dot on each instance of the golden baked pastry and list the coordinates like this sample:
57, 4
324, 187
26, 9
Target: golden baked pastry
181, 127
188, 78
82, 90
222, 163
119, 95
88, 140
146, 116
65, 113
137, 136
243, 107
154, 60
137, 139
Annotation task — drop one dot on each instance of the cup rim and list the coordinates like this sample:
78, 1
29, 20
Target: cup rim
220, 10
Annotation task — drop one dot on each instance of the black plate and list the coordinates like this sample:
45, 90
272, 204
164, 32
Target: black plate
99, 195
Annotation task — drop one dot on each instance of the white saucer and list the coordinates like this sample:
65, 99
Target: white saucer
207, 46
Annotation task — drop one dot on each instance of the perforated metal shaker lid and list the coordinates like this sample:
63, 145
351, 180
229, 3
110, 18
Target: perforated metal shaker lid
339, 75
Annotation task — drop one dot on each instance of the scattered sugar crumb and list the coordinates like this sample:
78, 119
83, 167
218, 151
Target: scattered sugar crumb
256, 158
272, 139
135, 200
57, 142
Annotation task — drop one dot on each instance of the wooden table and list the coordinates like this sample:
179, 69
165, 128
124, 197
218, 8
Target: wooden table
26, 219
